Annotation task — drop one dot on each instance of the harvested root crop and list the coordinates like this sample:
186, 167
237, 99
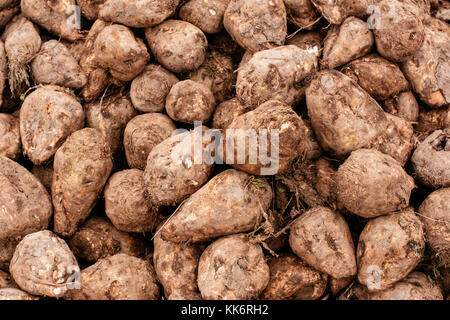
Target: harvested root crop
428, 68
125, 203
138, 14
81, 168
381, 78
399, 31
291, 278
231, 202
435, 216
320, 226
177, 45
176, 266
43, 265
270, 122
47, 117
10, 144
208, 16
26, 207
142, 134
344, 117
125, 57
256, 24
371, 184
431, 160
389, 248
173, 173
58, 16
98, 239
346, 42
149, 90
275, 74
54, 64
22, 43
110, 116
238, 267
120, 277
189, 101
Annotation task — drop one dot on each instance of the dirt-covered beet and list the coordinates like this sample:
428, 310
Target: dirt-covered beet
149, 90
322, 239
173, 172
57, 16
120, 277
389, 248
110, 116
43, 265
54, 64
431, 160
206, 15
381, 78
98, 78
10, 143
190, 101
26, 207
275, 74
268, 124
177, 45
399, 31
81, 168
346, 42
238, 267
47, 117
435, 216
125, 57
125, 203
176, 267
428, 68
256, 24
371, 184
137, 14
22, 43
142, 134
231, 202
344, 117
291, 278
98, 239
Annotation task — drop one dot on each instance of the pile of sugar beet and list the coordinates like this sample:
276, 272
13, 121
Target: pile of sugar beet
94, 205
